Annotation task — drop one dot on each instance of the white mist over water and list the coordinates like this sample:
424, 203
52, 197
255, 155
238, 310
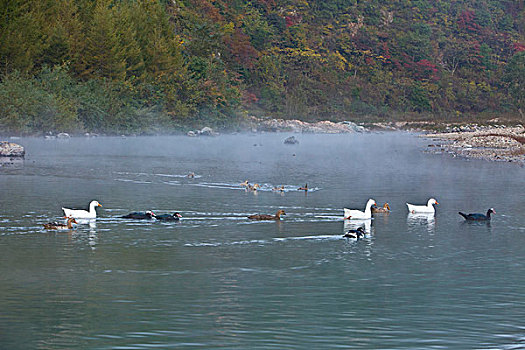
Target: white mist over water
216, 279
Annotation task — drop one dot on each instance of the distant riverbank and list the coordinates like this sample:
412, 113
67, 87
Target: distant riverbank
500, 143
491, 141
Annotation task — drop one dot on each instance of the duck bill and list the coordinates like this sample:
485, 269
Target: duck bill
178, 215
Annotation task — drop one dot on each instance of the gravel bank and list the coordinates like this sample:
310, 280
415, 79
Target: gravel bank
502, 143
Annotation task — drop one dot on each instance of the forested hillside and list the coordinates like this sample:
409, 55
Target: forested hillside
150, 65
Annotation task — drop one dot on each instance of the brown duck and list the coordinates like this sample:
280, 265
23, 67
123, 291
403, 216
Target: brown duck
277, 216
59, 226
253, 188
384, 209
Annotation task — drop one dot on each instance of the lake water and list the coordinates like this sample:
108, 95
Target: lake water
217, 280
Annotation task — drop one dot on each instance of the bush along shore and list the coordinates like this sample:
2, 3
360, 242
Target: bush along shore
496, 143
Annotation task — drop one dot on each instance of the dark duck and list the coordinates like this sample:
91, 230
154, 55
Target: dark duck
478, 216
358, 233
277, 216
140, 215
169, 217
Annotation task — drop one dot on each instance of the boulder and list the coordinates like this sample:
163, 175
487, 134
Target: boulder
63, 135
207, 131
291, 141
10, 149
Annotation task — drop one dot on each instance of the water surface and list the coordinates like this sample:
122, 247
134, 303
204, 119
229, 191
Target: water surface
217, 280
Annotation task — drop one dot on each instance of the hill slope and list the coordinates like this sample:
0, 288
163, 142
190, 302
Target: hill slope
128, 65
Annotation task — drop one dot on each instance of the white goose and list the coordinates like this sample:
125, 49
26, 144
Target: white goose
429, 208
83, 214
352, 214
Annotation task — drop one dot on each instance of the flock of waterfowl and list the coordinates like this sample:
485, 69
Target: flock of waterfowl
349, 214
371, 207
72, 214
253, 188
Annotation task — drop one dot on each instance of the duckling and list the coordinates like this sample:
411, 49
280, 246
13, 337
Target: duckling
280, 188
59, 226
253, 188
244, 184
360, 232
384, 209
277, 216
305, 188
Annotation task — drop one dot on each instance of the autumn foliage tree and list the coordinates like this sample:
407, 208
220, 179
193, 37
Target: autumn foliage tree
149, 65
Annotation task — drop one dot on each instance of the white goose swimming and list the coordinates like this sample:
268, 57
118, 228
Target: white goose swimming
83, 214
352, 214
429, 208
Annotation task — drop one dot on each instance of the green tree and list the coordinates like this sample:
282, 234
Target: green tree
102, 57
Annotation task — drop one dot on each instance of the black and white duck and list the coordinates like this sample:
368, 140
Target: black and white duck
140, 215
478, 216
169, 217
356, 234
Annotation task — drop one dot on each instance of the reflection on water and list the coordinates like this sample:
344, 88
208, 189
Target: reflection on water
11, 162
478, 225
422, 219
216, 279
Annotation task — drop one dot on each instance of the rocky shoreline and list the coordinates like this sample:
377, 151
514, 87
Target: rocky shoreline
293, 125
494, 143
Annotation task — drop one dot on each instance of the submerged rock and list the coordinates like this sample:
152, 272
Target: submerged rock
10, 149
291, 141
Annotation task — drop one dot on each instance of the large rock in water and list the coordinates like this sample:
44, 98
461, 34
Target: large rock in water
10, 149
291, 141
